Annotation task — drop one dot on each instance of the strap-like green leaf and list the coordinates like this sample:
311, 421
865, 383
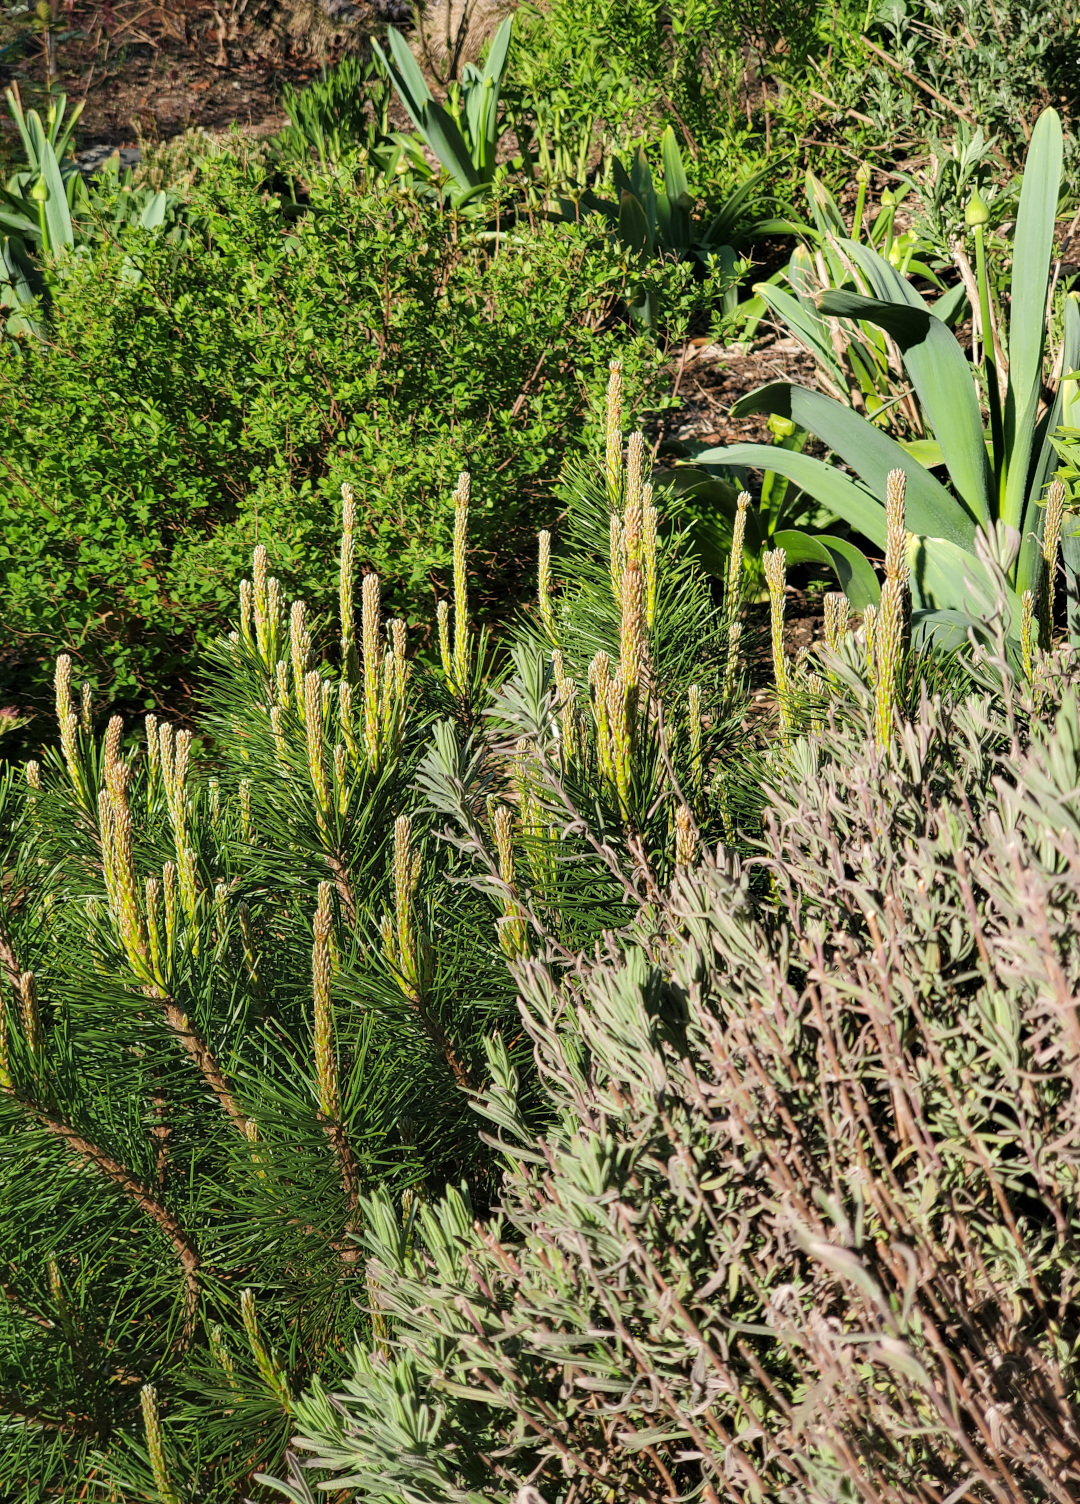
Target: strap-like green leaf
1033, 242
947, 578
869, 452
728, 217
62, 132
19, 273
21, 121
674, 228
675, 183
666, 234
1060, 414
405, 75
153, 214
12, 217
495, 67
946, 631
57, 214
644, 190
852, 568
951, 305
824, 208
839, 492
926, 451
481, 114
633, 225
905, 323
448, 144
942, 378
886, 283
620, 177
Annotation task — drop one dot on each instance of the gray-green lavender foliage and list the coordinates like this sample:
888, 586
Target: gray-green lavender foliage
804, 1227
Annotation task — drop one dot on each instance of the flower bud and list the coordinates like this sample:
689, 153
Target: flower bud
976, 212
780, 428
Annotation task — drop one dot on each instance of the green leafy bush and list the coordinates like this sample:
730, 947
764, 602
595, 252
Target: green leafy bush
804, 1226
626, 67
236, 993
168, 426
1000, 66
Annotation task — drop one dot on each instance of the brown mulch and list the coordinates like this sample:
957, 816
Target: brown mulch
146, 72
708, 379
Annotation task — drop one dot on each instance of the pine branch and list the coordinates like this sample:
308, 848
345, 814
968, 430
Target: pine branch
343, 886
350, 1175
92, 1154
74, 1425
442, 1041
161, 1133
7, 957
207, 1064
15, 1300
326, 1065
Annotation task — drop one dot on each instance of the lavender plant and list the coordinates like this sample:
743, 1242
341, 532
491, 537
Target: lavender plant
803, 1225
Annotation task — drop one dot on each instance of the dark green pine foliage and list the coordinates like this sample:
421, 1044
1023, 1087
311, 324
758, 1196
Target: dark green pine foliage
251, 977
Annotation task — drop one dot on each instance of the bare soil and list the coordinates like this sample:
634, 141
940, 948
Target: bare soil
708, 379
146, 72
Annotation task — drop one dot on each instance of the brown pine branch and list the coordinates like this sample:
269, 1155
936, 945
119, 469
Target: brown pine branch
15, 1300
93, 1155
207, 1064
441, 1040
7, 957
161, 1133
350, 1184
343, 886
14, 1407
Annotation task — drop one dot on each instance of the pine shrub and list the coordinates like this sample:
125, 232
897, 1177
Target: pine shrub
244, 984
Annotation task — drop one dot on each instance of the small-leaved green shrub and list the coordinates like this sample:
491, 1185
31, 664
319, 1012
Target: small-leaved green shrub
166, 427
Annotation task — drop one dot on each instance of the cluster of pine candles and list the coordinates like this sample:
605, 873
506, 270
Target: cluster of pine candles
333, 737
885, 637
